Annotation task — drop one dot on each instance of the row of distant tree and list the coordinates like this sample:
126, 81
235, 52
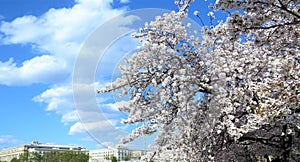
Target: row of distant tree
115, 159
54, 156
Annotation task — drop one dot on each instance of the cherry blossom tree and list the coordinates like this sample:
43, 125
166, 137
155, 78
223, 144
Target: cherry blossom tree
231, 94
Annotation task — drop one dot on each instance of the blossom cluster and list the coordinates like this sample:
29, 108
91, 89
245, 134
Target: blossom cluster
201, 94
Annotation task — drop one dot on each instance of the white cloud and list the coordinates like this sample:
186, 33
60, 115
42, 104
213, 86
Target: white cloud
99, 130
7, 141
124, 1
60, 100
106, 144
76, 128
102, 124
40, 69
59, 33
102, 127
69, 117
101, 121
22, 30
115, 106
59, 25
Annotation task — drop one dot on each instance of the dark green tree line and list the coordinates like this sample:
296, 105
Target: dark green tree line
53, 156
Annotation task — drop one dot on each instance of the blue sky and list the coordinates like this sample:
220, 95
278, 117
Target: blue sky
39, 44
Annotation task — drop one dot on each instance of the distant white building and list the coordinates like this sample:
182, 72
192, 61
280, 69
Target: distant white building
120, 153
8, 154
136, 155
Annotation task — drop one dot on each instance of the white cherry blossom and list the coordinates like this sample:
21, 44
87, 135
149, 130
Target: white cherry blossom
233, 94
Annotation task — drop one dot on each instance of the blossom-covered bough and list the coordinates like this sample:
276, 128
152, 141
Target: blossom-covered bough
233, 94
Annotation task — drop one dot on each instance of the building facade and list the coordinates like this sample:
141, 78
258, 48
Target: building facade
106, 154
118, 152
8, 154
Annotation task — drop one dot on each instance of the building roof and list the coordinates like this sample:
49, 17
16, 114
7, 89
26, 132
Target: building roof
36, 144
